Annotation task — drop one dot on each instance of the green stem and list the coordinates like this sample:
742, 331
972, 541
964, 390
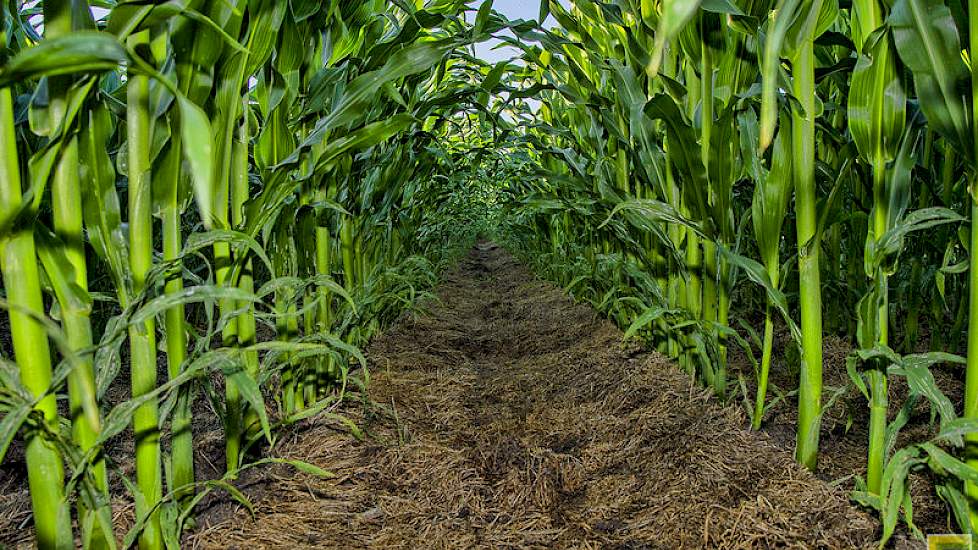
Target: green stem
292, 332
66, 206
810, 289
971, 372
311, 374
83, 406
224, 168
325, 314
768, 347
347, 246
694, 290
288, 381
947, 175
142, 337
21, 280
711, 309
878, 404
246, 324
181, 443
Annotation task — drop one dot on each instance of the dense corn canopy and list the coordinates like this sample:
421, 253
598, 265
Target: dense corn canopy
247, 191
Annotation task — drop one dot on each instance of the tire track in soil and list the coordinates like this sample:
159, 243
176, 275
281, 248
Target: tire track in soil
509, 417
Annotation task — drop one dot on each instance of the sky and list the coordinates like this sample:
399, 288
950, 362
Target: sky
512, 9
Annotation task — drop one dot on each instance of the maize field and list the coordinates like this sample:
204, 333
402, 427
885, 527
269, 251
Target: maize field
324, 274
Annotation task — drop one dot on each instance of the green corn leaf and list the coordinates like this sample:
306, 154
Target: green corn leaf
891, 242
941, 461
544, 11
495, 75
852, 361
359, 93
814, 18
305, 467
75, 53
189, 295
170, 523
756, 273
958, 504
120, 417
482, 17
770, 203
684, 151
654, 210
898, 423
234, 492
916, 369
240, 242
13, 419
248, 387
877, 104
675, 15
100, 200
195, 132
953, 430
647, 317
786, 13
726, 7
926, 38
61, 272
893, 488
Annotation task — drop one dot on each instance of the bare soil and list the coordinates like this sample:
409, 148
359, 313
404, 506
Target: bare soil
508, 416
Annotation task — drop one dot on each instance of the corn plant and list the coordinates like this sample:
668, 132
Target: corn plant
206, 170
308, 161
659, 253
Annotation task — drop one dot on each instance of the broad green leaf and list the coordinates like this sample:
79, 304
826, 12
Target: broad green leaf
12, 420
647, 317
195, 132
482, 17
769, 207
785, 14
75, 53
189, 295
892, 241
248, 387
361, 91
100, 200
675, 15
305, 467
893, 488
916, 369
958, 504
927, 40
877, 104
944, 462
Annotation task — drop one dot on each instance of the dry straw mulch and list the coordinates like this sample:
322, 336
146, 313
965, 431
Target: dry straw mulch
510, 417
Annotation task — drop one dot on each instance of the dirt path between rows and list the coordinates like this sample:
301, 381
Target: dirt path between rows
509, 417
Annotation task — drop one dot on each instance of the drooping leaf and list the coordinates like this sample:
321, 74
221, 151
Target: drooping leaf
74, 53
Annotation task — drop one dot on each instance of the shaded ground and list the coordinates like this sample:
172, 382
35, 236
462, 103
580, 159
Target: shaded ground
509, 417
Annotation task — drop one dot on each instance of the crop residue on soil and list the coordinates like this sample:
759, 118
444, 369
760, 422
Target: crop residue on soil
509, 417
